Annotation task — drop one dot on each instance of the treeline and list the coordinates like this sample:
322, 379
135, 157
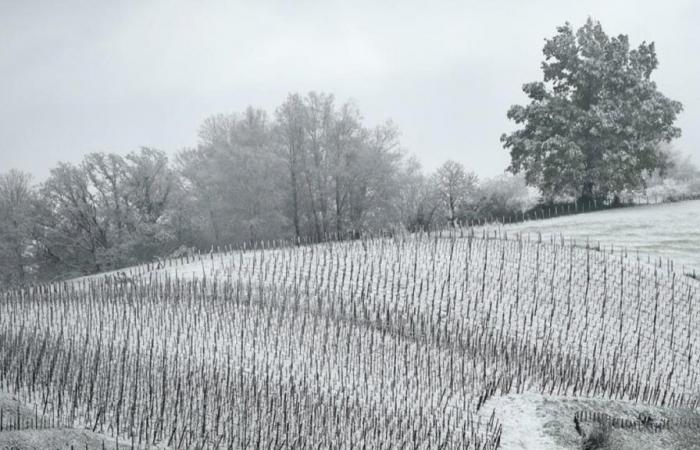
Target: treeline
313, 169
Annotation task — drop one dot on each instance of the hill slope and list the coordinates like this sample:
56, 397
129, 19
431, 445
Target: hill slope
667, 231
388, 341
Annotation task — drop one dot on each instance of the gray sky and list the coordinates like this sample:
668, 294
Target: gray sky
77, 77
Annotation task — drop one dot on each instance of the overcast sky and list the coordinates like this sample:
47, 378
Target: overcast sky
78, 77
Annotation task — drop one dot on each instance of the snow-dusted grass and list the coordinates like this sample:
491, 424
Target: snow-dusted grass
23, 428
58, 438
379, 342
535, 421
666, 231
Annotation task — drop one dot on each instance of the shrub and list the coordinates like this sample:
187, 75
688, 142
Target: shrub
598, 438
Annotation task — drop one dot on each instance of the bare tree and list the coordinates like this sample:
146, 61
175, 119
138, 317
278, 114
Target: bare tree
235, 177
455, 187
417, 200
291, 136
74, 231
375, 179
16, 225
108, 211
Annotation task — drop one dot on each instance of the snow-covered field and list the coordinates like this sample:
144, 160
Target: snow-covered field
667, 231
382, 343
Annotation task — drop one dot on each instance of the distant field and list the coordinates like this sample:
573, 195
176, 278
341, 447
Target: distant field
667, 231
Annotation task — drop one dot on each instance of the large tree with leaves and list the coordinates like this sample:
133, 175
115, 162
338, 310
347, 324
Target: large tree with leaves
594, 125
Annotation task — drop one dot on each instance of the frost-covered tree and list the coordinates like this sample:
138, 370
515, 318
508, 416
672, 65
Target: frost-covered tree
455, 187
417, 201
17, 215
504, 196
342, 176
107, 212
233, 179
594, 125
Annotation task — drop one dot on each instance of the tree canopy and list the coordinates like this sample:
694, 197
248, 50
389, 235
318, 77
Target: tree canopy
106, 212
455, 187
593, 126
16, 227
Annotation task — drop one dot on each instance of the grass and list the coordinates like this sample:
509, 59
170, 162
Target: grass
598, 437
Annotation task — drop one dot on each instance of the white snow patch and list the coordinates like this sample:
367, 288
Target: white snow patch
523, 424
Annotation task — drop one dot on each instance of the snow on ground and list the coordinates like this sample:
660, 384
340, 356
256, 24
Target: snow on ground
570, 304
38, 432
523, 424
667, 231
58, 438
534, 421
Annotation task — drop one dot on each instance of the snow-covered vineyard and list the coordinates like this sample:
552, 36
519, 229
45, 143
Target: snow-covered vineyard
379, 343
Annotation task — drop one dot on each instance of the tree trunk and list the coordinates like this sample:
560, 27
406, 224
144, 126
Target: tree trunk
295, 201
587, 193
214, 227
338, 210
